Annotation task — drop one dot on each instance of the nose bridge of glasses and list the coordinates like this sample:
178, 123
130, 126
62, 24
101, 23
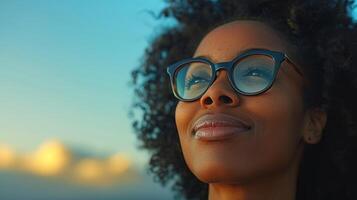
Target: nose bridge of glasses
223, 65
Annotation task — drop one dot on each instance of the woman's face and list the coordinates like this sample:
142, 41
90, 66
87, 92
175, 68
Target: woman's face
273, 144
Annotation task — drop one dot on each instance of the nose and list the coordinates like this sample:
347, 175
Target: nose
220, 93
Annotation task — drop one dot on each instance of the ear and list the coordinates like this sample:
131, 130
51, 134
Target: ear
314, 123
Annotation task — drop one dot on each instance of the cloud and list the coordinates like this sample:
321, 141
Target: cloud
51, 158
54, 159
118, 163
7, 156
89, 169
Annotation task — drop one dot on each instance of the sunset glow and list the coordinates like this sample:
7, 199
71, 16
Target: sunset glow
7, 156
51, 158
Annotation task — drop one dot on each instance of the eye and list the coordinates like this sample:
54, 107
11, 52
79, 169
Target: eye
194, 80
257, 72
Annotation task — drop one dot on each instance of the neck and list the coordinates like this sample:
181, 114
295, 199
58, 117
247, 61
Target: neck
280, 186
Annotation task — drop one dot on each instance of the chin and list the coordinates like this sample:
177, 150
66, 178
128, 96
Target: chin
216, 173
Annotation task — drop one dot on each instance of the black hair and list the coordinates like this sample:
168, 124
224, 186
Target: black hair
325, 37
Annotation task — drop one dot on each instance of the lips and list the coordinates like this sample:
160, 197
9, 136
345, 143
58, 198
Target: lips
218, 126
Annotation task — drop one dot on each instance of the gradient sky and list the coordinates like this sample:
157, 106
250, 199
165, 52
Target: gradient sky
65, 71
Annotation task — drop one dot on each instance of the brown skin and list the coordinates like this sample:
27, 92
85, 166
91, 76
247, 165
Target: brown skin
262, 164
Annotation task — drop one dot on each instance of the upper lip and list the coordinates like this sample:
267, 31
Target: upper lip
219, 120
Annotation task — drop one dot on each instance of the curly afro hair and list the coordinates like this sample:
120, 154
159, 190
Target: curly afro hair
326, 39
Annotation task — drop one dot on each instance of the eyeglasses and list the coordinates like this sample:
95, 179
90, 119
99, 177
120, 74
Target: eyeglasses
250, 73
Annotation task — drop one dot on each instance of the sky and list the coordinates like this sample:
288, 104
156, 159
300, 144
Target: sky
65, 71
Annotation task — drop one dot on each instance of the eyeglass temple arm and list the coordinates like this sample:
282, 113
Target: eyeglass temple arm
294, 65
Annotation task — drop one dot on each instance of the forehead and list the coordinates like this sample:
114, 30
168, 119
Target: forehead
227, 41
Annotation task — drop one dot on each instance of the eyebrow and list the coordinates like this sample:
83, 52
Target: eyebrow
237, 54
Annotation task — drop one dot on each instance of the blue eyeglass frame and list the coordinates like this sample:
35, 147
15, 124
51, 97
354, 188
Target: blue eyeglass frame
278, 58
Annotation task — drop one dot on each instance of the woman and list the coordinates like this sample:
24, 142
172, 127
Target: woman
262, 100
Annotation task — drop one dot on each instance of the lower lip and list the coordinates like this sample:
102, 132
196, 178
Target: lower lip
218, 133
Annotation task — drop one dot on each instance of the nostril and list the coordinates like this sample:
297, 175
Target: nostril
225, 99
208, 101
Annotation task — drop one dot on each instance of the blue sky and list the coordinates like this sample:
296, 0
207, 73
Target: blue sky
65, 71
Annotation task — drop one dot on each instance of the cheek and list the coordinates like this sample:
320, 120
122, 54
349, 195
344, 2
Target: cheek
182, 117
184, 114
279, 125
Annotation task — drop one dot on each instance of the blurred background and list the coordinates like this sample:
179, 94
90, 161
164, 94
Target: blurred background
65, 97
